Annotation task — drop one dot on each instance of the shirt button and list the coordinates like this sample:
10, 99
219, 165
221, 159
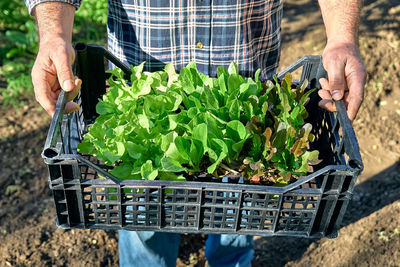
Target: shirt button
200, 45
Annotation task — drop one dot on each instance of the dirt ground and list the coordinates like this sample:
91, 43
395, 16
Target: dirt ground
370, 235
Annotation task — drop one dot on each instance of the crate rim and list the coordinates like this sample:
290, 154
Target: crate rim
112, 180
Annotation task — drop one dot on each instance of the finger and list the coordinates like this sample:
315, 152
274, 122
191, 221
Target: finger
346, 99
325, 94
71, 107
43, 94
54, 93
327, 104
355, 95
324, 83
48, 103
71, 95
62, 61
336, 78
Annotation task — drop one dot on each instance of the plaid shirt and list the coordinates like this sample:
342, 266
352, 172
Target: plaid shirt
210, 32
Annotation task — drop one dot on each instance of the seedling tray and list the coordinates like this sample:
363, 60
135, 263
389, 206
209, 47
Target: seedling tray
87, 196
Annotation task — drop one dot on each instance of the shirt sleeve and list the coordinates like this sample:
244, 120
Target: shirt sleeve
30, 4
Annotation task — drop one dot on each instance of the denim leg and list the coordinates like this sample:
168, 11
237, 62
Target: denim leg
147, 249
229, 250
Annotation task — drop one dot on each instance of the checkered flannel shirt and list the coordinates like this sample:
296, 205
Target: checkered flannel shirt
210, 32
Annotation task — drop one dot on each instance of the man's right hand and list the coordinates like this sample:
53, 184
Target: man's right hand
52, 73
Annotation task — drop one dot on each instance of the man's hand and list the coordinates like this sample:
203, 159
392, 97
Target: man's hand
52, 71
346, 77
341, 59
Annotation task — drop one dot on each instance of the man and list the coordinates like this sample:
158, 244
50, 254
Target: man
212, 33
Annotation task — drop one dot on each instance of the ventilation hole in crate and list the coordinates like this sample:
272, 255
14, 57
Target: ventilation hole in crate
54, 171
153, 216
127, 191
90, 220
111, 194
67, 172
87, 189
114, 221
219, 217
193, 199
179, 199
140, 222
268, 224
114, 207
298, 202
142, 215
260, 200
180, 216
153, 208
181, 196
222, 197
257, 219
193, 192
100, 217
100, 207
295, 221
88, 207
346, 184
154, 198
219, 200
128, 216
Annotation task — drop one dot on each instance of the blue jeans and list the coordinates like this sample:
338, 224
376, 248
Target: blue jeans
150, 249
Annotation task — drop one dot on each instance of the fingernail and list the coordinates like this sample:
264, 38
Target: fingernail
336, 95
74, 109
68, 85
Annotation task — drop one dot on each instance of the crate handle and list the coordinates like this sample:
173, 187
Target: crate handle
101, 51
51, 149
349, 137
313, 70
89, 66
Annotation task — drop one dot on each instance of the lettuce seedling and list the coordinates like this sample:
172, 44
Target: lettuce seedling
164, 125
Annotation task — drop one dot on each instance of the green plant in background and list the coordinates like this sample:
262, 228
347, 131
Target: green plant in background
163, 124
90, 21
19, 44
18, 47
18, 62
13, 14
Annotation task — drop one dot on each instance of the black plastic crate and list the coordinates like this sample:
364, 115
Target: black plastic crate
87, 196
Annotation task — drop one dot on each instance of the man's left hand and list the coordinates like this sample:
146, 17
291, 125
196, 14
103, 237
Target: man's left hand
346, 77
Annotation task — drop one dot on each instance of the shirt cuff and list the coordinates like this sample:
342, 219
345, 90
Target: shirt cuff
30, 4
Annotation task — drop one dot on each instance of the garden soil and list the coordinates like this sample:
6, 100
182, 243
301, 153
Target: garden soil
370, 233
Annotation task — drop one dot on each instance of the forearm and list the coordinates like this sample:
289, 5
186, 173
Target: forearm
341, 19
341, 58
52, 70
54, 19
